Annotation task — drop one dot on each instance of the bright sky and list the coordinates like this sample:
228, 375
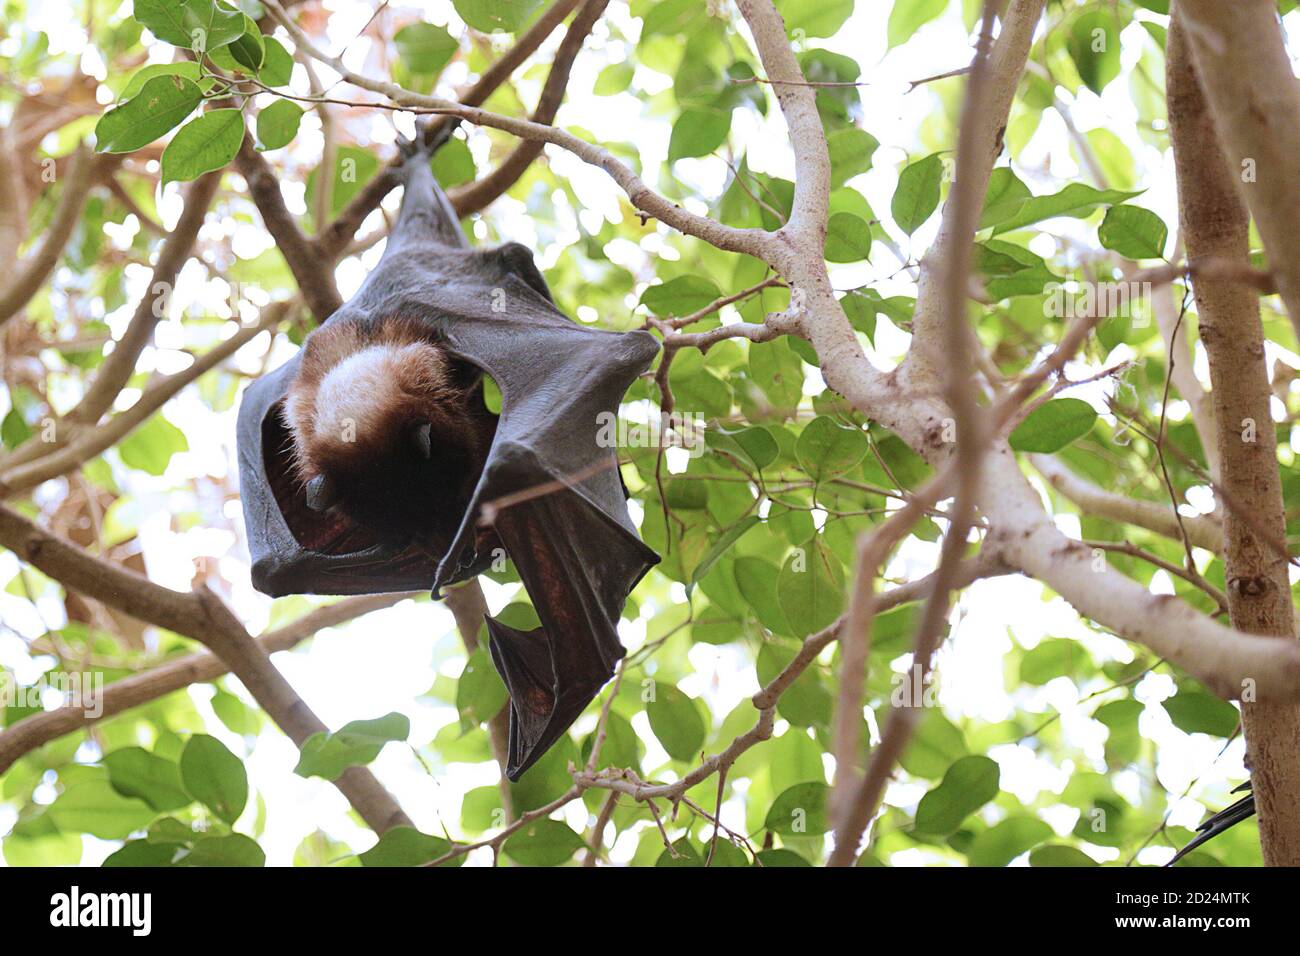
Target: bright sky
385, 662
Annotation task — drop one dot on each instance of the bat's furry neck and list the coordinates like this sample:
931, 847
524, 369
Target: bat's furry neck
363, 390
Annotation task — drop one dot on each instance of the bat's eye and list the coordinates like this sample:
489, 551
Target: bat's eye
321, 494
422, 440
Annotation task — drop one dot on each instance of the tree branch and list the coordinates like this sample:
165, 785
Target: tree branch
313, 272
1251, 89
480, 193
118, 368
203, 667
73, 448
199, 614
336, 237
32, 272
1215, 224
641, 196
1203, 532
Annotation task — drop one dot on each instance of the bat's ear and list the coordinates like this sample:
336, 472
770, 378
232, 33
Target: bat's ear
422, 440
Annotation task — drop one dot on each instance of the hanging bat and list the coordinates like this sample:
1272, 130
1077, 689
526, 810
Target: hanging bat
370, 462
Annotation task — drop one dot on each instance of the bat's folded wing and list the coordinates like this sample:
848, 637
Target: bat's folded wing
578, 571
552, 492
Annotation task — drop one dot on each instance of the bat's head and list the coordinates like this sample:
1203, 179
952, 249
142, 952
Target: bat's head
387, 428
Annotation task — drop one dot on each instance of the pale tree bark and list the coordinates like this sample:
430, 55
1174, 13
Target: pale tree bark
1215, 224
1254, 99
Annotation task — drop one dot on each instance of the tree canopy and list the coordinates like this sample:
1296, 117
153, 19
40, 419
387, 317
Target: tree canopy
969, 453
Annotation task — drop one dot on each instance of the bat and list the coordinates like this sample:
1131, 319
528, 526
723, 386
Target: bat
370, 463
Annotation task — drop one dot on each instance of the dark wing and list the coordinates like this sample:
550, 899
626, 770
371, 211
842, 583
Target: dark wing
1215, 824
552, 492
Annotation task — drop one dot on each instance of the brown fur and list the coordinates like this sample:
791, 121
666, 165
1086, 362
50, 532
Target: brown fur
361, 391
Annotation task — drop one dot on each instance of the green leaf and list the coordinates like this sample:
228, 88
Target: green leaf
453, 164
908, 16
542, 843
249, 50
848, 238
753, 446
425, 48
826, 449
698, 132
799, 811
277, 67
203, 144
814, 18
214, 776
1076, 200
680, 296
682, 855
613, 79
756, 579
231, 849
199, 25
676, 722
1093, 42
135, 772
353, 168
1053, 425
811, 588
1060, 855
620, 748
186, 70
1005, 196
94, 807
356, 743
778, 371
406, 846
1000, 844
969, 783
850, 151
937, 741
489, 16
719, 548
235, 714
781, 857
806, 702
1052, 658
136, 853
162, 104
917, 195
1133, 232
277, 124
151, 446
14, 429
480, 693
520, 616
491, 395
1197, 712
